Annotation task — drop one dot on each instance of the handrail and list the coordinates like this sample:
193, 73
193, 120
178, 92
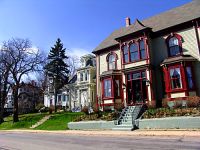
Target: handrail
118, 121
141, 109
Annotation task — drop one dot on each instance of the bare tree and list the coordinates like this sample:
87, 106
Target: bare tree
22, 60
74, 64
4, 83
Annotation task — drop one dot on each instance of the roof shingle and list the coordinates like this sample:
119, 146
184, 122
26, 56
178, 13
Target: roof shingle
159, 22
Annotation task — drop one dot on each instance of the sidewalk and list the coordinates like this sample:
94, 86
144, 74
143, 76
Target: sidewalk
187, 133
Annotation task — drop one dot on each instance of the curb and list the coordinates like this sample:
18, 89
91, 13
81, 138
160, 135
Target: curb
187, 133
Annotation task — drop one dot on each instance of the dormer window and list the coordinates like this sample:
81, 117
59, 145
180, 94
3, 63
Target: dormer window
174, 43
112, 61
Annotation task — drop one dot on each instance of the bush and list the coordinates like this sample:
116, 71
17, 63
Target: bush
39, 106
85, 110
193, 101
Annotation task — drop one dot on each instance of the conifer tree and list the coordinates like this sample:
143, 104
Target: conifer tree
57, 67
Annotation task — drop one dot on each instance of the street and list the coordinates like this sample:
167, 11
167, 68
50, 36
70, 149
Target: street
57, 141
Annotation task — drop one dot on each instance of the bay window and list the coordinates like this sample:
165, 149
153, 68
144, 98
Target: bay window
175, 78
189, 77
107, 88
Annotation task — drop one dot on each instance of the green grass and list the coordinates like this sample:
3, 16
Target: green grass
25, 121
58, 121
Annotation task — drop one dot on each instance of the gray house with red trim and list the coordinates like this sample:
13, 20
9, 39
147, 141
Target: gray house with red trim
151, 60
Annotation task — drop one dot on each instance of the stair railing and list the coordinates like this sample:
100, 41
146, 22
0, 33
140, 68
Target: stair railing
137, 113
119, 120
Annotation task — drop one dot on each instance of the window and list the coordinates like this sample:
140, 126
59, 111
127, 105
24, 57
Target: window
107, 88
136, 51
86, 75
117, 88
175, 78
142, 50
111, 62
81, 76
189, 77
174, 43
125, 51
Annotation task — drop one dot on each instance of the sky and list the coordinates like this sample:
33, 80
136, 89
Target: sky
80, 24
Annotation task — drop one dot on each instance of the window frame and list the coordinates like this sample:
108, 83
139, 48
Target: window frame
184, 78
111, 88
115, 60
172, 79
179, 38
137, 42
141, 79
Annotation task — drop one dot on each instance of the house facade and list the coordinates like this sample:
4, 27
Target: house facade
80, 90
29, 96
151, 60
49, 96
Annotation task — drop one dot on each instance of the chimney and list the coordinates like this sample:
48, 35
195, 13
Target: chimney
128, 21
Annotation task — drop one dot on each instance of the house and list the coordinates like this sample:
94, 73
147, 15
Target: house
49, 95
81, 89
151, 60
29, 96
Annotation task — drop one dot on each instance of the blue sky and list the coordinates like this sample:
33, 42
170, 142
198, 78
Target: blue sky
81, 24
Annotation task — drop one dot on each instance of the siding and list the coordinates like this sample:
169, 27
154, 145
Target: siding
189, 44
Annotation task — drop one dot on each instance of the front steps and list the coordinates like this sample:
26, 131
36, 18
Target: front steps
126, 121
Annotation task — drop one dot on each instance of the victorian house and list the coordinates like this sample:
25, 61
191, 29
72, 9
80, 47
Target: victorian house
151, 60
80, 90
30, 94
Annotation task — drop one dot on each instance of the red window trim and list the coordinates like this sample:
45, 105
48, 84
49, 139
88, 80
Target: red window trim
133, 72
184, 78
179, 43
107, 59
139, 50
103, 93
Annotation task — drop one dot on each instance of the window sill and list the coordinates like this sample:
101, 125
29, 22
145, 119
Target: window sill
134, 61
107, 98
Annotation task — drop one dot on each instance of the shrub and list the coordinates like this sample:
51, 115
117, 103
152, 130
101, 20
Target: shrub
39, 106
193, 101
85, 110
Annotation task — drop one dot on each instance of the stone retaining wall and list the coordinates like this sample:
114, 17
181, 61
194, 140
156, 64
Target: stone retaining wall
157, 123
170, 123
87, 125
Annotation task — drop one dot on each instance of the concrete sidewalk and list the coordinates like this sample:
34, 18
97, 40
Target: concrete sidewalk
187, 133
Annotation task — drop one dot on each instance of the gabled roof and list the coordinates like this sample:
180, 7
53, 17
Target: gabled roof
157, 23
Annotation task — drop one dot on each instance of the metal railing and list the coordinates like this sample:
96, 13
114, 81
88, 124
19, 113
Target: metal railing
122, 114
136, 114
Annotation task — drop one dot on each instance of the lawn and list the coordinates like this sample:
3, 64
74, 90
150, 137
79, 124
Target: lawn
58, 121
25, 121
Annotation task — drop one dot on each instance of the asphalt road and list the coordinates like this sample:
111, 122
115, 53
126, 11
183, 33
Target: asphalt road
54, 141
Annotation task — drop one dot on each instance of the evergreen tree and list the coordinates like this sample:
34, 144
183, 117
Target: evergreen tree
57, 67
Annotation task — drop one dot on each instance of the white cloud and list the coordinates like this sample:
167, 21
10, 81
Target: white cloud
78, 52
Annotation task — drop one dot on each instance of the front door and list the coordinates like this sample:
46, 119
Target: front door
136, 88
